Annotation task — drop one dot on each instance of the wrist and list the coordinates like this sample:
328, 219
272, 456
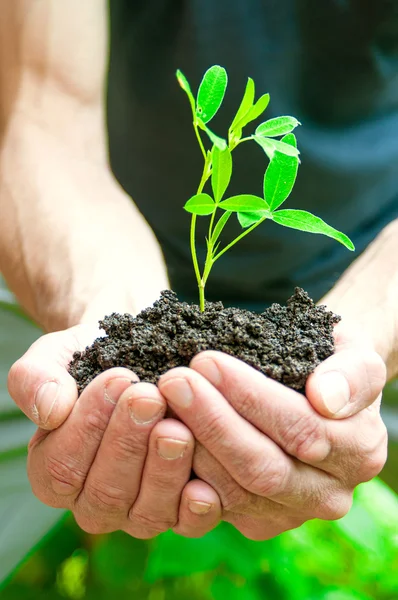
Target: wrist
367, 296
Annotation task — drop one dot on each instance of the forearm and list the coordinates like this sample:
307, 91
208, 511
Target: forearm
72, 244
367, 294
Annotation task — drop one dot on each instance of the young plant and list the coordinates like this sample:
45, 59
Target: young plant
279, 177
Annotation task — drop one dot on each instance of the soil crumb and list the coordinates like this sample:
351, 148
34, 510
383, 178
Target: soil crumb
285, 343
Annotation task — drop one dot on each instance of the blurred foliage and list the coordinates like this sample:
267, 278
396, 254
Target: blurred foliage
355, 558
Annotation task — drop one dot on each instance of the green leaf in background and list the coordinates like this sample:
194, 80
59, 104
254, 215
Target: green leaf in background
72, 576
245, 106
215, 139
271, 146
244, 202
221, 171
305, 221
233, 588
280, 175
118, 559
24, 519
249, 218
200, 204
211, 93
277, 126
174, 556
220, 226
342, 594
182, 80
367, 526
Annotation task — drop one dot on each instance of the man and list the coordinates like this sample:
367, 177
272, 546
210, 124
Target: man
73, 247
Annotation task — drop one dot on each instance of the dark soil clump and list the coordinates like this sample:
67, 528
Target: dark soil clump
284, 342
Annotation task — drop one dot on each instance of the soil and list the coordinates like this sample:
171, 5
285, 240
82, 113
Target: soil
284, 342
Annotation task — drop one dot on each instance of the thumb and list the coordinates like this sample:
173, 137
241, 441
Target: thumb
347, 382
39, 382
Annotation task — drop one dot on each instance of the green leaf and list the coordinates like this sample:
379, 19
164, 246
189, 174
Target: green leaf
220, 226
117, 560
244, 203
221, 171
277, 126
271, 146
174, 556
182, 80
215, 139
245, 105
211, 93
305, 221
200, 204
253, 114
257, 110
280, 175
249, 218
25, 520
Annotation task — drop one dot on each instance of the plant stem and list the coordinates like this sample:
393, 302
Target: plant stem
195, 126
193, 252
199, 279
242, 235
212, 223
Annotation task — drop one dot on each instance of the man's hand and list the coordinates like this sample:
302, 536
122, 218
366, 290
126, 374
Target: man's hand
109, 456
275, 461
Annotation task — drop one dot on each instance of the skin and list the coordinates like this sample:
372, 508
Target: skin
267, 459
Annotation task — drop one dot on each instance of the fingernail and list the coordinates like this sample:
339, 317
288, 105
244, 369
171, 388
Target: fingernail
209, 369
145, 410
170, 449
178, 392
335, 391
115, 388
45, 400
198, 508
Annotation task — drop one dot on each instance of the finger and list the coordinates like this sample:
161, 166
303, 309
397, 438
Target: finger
39, 381
166, 472
253, 460
319, 498
58, 464
265, 527
351, 449
346, 383
200, 510
113, 482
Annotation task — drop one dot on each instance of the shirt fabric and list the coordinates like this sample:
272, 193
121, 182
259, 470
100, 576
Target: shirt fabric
331, 64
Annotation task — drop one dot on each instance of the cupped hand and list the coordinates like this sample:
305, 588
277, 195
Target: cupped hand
110, 455
275, 457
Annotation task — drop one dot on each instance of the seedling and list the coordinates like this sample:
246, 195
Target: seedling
279, 177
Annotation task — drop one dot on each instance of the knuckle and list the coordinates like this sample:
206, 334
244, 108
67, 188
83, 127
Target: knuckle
266, 480
106, 498
233, 497
334, 507
301, 437
17, 375
95, 424
126, 448
65, 476
45, 495
248, 402
372, 453
373, 463
91, 526
260, 530
211, 432
140, 533
153, 525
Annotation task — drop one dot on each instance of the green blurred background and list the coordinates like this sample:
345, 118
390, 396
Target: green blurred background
354, 558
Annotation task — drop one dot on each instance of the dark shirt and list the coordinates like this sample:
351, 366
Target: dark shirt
331, 64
